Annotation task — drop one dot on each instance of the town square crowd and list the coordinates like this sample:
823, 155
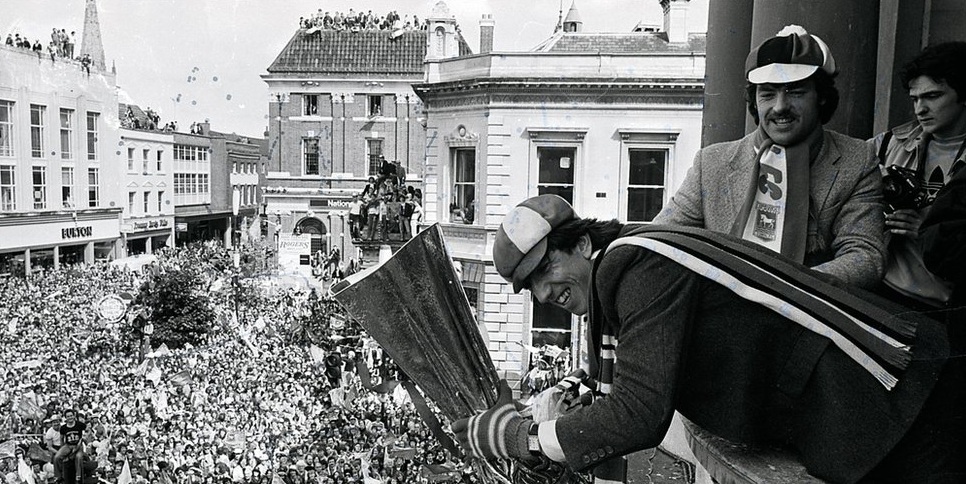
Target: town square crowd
270, 395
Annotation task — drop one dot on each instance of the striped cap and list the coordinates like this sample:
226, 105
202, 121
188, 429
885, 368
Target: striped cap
790, 56
521, 240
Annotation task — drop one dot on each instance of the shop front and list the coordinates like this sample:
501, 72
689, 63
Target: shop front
147, 235
36, 241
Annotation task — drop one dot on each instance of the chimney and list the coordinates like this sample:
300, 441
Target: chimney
205, 128
676, 20
486, 33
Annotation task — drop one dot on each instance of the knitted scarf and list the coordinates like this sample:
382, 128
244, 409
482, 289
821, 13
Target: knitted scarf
775, 210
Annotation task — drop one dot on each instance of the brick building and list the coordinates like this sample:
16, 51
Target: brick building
339, 100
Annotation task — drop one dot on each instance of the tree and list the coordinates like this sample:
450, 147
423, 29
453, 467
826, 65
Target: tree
177, 305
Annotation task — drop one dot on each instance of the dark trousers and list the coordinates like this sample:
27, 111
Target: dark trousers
373, 221
933, 451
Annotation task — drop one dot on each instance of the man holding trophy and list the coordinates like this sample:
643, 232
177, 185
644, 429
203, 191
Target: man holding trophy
742, 342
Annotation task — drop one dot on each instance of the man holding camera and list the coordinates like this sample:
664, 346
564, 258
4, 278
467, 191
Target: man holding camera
792, 186
925, 186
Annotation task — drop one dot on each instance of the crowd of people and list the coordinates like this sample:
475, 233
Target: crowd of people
61, 45
386, 205
360, 21
272, 394
151, 121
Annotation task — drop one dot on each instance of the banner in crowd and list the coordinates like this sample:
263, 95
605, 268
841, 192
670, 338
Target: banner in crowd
405, 453
291, 248
7, 449
25, 472
29, 407
438, 473
180, 378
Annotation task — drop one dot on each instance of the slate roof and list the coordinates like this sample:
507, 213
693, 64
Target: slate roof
139, 113
621, 43
363, 52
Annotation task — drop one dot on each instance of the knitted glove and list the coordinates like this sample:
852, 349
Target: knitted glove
499, 432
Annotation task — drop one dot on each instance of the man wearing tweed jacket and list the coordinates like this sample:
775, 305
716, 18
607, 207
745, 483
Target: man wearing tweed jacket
823, 208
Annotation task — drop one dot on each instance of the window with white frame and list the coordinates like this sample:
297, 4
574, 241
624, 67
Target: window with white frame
6, 128
160, 201
556, 170
40, 187
38, 118
646, 179
374, 155
93, 188
8, 188
92, 120
310, 104
67, 186
374, 105
160, 158
463, 205
145, 155
147, 202
66, 134
310, 155
131, 197
192, 167
130, 159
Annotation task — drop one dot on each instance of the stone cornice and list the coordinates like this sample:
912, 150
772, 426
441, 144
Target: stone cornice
486, 92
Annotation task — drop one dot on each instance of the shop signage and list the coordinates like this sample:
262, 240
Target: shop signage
181, 227
76, 232
150, 224
291, 248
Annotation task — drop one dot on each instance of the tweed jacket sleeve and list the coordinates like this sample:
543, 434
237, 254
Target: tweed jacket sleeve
686, 205
645, 302
849, 213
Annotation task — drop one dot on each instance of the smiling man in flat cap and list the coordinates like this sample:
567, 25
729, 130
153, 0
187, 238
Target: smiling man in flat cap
792, 186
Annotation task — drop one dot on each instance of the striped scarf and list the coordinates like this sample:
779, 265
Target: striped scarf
873, 337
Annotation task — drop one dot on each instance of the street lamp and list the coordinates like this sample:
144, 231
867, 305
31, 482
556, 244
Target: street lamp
235, 203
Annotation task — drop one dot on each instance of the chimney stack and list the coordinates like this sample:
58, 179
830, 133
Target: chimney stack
486, 33
676, 20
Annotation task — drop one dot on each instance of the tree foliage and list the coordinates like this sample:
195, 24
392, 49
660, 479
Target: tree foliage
177, 305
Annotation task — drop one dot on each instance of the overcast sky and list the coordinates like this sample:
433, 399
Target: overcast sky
197, 59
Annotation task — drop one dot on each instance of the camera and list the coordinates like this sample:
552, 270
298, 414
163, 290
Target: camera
902, 189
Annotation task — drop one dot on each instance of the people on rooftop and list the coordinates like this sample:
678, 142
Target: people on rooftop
61, 44
356, 21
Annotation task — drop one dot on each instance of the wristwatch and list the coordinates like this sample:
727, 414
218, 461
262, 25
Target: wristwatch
533, 440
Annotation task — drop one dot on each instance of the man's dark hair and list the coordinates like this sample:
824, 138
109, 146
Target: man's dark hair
945, 62
828, 96
601, 233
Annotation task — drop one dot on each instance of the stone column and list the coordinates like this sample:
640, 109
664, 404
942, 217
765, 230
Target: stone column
729, 41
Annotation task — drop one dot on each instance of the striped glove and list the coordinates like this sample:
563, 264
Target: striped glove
499, 432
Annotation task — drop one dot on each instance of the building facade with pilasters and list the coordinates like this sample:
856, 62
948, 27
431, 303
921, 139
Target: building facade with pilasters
608, 121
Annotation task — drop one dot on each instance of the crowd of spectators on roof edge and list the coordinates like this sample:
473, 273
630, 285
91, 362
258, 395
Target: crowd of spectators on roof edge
354, 21
151, 121
255, 401
61, 45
